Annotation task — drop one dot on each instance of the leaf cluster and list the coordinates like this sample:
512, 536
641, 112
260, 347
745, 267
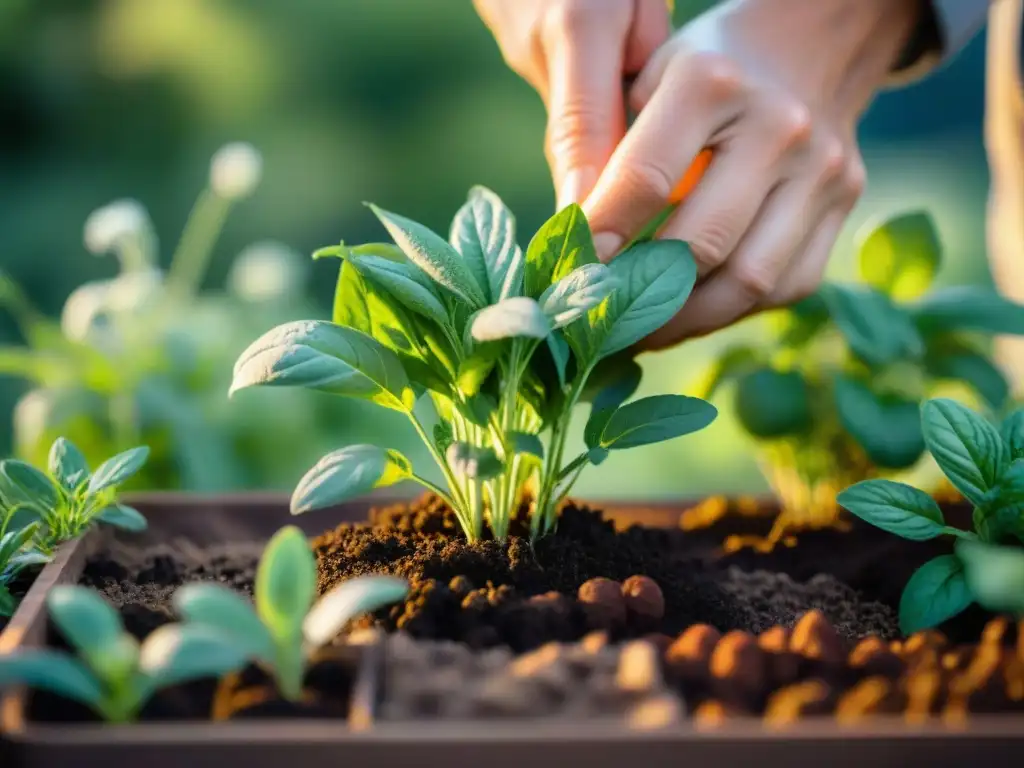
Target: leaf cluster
487, 348
986, 464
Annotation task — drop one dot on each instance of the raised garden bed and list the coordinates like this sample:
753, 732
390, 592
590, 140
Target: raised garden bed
522, 669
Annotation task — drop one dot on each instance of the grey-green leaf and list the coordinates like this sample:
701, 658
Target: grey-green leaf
562, 244
88, 622
994, 575
968, 449
895, 508
509, 318
347, 601
655, 419
21, 483
53, 672
473, 461
346, 474
223, 609
285, 584
524, 442
116, 470
1012, 431
406, 282
876, 330
968, 308
936, 592
484, 232
887, 427
319, 355
570, 298
177, 653
67, 465
431, 253
124, 517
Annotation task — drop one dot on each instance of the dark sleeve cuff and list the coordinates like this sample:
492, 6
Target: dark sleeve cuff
945, 28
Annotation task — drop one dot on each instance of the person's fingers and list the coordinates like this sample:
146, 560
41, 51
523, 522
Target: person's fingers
584, 45
652, 24
696, 96
804, 274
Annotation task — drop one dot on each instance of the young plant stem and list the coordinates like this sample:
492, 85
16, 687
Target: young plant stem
192, 256
289, 667
459, 505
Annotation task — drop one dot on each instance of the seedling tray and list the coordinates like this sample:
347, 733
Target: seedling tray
204, 521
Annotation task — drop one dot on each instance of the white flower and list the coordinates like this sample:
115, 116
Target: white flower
83, 309
91, 304
267, 270
235, 170
114, 225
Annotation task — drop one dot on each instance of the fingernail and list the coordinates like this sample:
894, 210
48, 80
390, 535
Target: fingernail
575, 185
607, 244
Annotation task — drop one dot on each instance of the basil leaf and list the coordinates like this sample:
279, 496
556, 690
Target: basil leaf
876, 330
936, 592
562, 244
967, 448
431, 253
285, 584
771, 403
977, 371
888, 428
406, 282
994, 575
473, 461
968, 308
895, 508
346, 474
570, 298
655, 419
67, 465
509, 318
484, 232
326, 357
116, 470
901, 256
1012, 431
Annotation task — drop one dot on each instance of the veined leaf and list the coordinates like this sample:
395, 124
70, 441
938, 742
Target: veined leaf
571, 297
562, 244
285, 584
431, 253
22, 484
326, 357
518, 316
67, 465
407, 283
901, 256
116, 470
346, 474
895, 508
614, 380
484, 232
1012, 431
473, 461
968, 449
936, 592
655, 419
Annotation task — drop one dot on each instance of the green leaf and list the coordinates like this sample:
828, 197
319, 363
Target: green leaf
21, 483
733, 362
655, 280
347, 601
968, 308
975, 369
523, 442
655, 419
443, 435
887, 427
994, 575
285, 584
431, 253
67, 465
562, 244
876, 330
560, 352
1012, 431
176, 653
347, 474
895, 508
613, 382
518, 316
473, 461
597, 455
936, 592
89, 623
8, 603
50, 671
124, 517
474, 370
118, 469
570, 298
326, 357
968, 449
901, 256
484, 232
406, 282
224, 610
772, 403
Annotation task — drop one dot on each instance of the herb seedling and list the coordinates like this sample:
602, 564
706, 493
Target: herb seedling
504, 342
16, 554
986, 464
284, 628
68, 497
833, 397
112, 673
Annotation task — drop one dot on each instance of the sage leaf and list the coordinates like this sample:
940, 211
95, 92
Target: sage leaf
936, 592
223, 609
325, 357
1012, 431
484, 232
346, 601
431, 253
407, 283
346, 474
968, 449
876, 330
473, 461
994, 575
895, 508
562, 244
968, 308
655, 419
124, 517
117, 469
888, 428
515, 317
21, 484
901, 256
570, 298
67, 465
54, 672
285, 584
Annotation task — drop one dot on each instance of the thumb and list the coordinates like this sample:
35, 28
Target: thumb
586, 104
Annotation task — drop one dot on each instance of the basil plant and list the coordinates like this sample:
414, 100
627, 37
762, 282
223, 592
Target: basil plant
986, 464
487, 348
832, 396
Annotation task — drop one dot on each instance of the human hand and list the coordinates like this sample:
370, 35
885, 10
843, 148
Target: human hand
775, 88
576, 54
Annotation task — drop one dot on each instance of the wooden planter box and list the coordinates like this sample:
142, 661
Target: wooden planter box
994, 740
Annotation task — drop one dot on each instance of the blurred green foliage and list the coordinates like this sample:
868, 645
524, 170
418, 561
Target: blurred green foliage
404, 102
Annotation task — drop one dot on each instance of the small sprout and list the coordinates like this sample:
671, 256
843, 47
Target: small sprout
111, 673
504, 343
16, 554
986, 464
68, 498
284, 628
235, 170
